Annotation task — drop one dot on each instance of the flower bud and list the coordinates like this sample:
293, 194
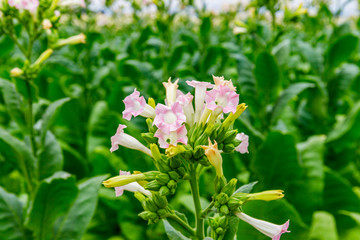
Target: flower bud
172, 184
164, 190
230, 187
151, 102
16, 72
266, 195
219, 183
174, 176
228, 148
224, 209
144, 215
223, 222
232, 117
80, 38
163, 178
150, 125
174, 162
122, 180
46, 24
152, 216
153, 185
160, 201
204, 161
172, 150
222, 198
162, 213
230, 136
151, 175
150, 205
45, 55
198, 152
214, 157
181, 171
155, 152
219, 231
233, 204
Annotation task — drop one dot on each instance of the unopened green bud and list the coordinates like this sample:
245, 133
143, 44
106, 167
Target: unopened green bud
174, 162
181, 171
228, 148
219, 231
149, 137
149, 123
222, 198
230, 136
233, 204
219, 183
172, 150
172, 191
155, 152
172, 184
223, 222
164, 190
150, 205
221, 146
174, 176
199, 152
162, 213
241, 197
152, 216
153, 185
230, 187
163, 178
139, 196
144, 215
236, 142
224, 209
160, 201
151, 175
204, 161
220, 137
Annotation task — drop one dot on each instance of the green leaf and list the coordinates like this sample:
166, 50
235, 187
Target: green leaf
11, 217
353, 215
267, 77
172, 233
347, 133
50, 115
175, 57
74, 224
312, 55
50, 156
288, 94
311, 184
19, 154
13, 102
341, 50
282, 51
277, 212
276, 163
323, 227
205, 26
246, 188
53, 198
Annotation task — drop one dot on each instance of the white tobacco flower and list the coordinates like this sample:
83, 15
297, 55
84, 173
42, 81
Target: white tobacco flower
269, 229
200, 93
123, 139
131, 187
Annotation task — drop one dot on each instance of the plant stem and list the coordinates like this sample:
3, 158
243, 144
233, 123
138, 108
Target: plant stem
207, 210
196, 197
182, 223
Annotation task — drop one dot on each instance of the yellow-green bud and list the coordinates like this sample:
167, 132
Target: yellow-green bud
172, 184
144, 215
198, 152
219, 231
162, 213
230, 136
151, 175
174, 162
230, 187
224, 209
149, 123
267, 195
150, 205
153, 185
181, 171
228, 148
149, 137
222, 198
16, 72
163, 178
160, 201
174, 176
164, 190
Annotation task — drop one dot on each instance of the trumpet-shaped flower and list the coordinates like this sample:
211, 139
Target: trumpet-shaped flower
136, 105
170, 91
71, 3
132, 187
200, 93
220, 81
243, 146
172, 138
269, 229
123, 139
222, 97
169, 118
213, 154
30, 5
186, 103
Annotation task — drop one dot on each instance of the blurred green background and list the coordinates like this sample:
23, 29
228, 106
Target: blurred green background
296, 67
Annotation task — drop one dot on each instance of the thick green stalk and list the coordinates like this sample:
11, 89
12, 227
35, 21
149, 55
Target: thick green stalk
196, 197
182, 223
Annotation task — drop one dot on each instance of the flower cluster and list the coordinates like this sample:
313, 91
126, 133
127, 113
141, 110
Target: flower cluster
193, 131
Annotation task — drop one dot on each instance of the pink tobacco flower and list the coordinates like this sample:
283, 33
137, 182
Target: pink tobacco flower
136, 105
123, 139
220, 81
186, 103
169, 118
200, 92
243, 146
30, 5
269, 229
172, 138
132, 187
222, 97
